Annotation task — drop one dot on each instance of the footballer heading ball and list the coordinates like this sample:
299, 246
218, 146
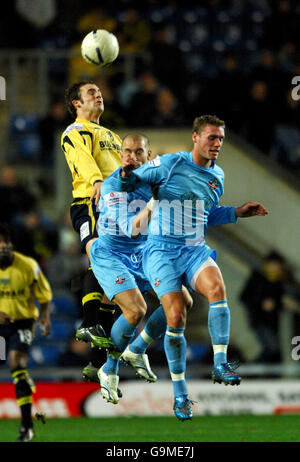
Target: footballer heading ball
100, 47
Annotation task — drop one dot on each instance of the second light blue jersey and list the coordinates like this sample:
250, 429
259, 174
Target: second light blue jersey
117, 210
188, 197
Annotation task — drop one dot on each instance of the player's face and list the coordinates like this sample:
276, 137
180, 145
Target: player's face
208, 143
91, 100
135, 152
6, 253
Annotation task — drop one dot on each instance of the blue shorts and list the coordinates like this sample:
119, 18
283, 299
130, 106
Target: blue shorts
117, 272
169, 266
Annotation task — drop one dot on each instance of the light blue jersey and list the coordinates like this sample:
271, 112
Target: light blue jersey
188, 198
117, 211
116, 258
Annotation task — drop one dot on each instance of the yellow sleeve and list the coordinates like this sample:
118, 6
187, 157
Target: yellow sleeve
41, 287
78, 151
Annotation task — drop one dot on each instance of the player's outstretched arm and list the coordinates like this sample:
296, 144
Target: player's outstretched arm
251, 209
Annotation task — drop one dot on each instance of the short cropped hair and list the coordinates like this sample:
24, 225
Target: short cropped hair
201, 122
137, 137
73, 92
6, 232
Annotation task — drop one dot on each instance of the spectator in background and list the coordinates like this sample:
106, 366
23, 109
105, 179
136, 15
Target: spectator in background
286, 146
112, 115
134, 32
228, 89
266, 70
96, 18
55, 120
67, 262
259, 120
168, 64
283, 24
15, 198
142, 107
168, 113
36, 236
263, 298
75, 354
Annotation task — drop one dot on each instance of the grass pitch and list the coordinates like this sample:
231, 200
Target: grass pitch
241, 428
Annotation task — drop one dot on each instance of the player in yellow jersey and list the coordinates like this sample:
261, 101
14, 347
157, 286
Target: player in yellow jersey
92, 153
21, 281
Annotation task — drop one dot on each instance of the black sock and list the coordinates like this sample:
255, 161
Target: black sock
24, 395
98, 357
92, 295
105, 316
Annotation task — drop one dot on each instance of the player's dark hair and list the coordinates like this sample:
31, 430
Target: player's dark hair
136, 137
202, 121
6, 232
73, 92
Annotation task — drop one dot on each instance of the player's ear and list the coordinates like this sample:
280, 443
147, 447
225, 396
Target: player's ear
194, 137
76, 103
149, 155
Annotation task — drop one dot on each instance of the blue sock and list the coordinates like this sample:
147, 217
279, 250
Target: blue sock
175, 349
219, 330
121, 334
155, 327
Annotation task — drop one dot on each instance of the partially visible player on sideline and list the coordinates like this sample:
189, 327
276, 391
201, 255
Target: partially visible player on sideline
21, 281
92, 153
176, 252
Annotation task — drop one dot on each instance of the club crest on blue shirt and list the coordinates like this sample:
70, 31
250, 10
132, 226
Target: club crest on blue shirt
120, 279
213, 183
157, 282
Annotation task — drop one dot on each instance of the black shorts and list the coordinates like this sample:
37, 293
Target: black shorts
84, 216
17, 335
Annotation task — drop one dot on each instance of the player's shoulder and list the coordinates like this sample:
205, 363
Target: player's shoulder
165, 159
26, 263
171, 159
75, 126
218, 170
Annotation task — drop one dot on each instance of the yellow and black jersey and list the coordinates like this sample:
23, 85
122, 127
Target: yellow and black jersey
92, 153
20, 284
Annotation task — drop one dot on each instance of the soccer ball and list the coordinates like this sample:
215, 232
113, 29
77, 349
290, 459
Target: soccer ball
100, 47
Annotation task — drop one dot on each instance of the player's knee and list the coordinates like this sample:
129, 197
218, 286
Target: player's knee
137, 312
217, 292
17, 360
176, 317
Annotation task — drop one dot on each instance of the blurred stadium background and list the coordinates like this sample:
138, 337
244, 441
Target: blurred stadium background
232, 58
